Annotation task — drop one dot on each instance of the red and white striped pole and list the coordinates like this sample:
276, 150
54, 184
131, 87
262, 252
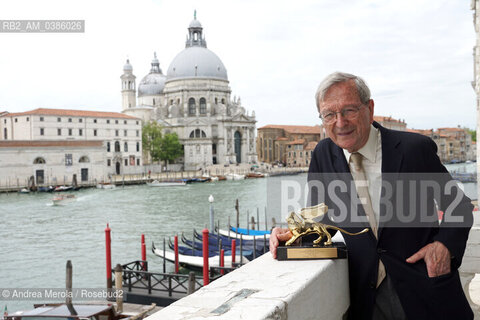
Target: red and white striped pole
175, 248
206, 278
108, 253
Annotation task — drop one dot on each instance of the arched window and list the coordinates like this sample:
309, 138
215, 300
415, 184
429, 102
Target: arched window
84, 159
117, 146
108, 146
125, 147
191, 107
39, 160
223, 101
138, 146
197, 133
203, 106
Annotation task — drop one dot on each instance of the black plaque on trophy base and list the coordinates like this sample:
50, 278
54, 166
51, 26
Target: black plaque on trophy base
337, 250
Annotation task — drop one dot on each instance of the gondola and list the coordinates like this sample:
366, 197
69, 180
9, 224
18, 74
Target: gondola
196, 263
189, 251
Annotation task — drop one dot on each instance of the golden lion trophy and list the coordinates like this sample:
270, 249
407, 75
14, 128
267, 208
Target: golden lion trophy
305, 225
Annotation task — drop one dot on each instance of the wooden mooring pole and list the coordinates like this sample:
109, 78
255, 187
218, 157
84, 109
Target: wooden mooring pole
119, 287
68, 283
238, 214
191, 282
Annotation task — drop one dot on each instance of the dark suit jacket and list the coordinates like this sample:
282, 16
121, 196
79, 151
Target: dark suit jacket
421, 297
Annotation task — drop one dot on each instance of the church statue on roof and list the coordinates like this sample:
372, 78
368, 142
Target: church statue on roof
194, 100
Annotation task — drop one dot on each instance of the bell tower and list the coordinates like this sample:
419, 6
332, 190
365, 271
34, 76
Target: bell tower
128, 87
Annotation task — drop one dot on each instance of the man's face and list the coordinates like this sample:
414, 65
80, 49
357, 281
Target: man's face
347, 134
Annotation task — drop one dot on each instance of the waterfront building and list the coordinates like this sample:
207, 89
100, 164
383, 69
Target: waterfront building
391, 123
453, 144
194, 101
299, 153
55, 144
274, 142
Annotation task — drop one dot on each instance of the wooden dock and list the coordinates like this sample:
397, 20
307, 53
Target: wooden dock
141, 286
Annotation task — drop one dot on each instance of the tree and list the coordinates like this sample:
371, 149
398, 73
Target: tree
152, 140
473, 133
171, 148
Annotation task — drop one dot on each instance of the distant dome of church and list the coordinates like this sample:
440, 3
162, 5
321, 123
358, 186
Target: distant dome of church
195, 23
154, 82
196, 61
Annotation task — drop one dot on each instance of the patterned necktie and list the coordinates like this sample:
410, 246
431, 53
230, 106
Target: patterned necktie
362, 190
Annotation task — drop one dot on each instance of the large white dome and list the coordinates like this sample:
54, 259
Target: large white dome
197, 62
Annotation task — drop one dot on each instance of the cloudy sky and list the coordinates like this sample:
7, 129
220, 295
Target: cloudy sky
416, 55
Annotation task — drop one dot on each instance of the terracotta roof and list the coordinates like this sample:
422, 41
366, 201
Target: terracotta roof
383, 118
298, 141
72, 113
451, 129
425, 132
295, 129
49, 143
311, 145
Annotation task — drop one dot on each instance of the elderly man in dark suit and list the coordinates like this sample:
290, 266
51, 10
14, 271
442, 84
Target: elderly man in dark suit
406, 266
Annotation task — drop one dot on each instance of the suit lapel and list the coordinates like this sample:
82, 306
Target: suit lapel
391, 163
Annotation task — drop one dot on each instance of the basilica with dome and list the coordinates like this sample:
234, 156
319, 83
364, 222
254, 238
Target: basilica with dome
194, 100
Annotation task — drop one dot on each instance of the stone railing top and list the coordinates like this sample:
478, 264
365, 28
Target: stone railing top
269, 289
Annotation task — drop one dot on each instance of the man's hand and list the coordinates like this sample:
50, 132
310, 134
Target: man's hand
436, 256
278, 234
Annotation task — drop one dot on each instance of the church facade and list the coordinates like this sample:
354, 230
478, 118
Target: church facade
194, 100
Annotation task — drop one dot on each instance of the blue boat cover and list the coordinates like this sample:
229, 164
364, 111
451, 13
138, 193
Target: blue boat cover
250, 232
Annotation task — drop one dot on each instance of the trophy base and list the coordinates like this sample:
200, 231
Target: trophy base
337, 250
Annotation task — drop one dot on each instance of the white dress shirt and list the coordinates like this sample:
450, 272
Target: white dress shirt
372, 165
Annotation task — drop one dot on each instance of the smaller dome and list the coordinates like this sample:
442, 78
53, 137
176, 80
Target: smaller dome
195, 24
127, 66
154, 82
151, 84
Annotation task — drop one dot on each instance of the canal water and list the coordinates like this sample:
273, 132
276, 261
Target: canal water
36, 238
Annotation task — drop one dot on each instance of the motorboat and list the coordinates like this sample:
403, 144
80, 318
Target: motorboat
63, 188
173, 183
106, 185
63, 199
234, 176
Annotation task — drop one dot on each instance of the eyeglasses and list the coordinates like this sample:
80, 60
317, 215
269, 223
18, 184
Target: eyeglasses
349, 113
